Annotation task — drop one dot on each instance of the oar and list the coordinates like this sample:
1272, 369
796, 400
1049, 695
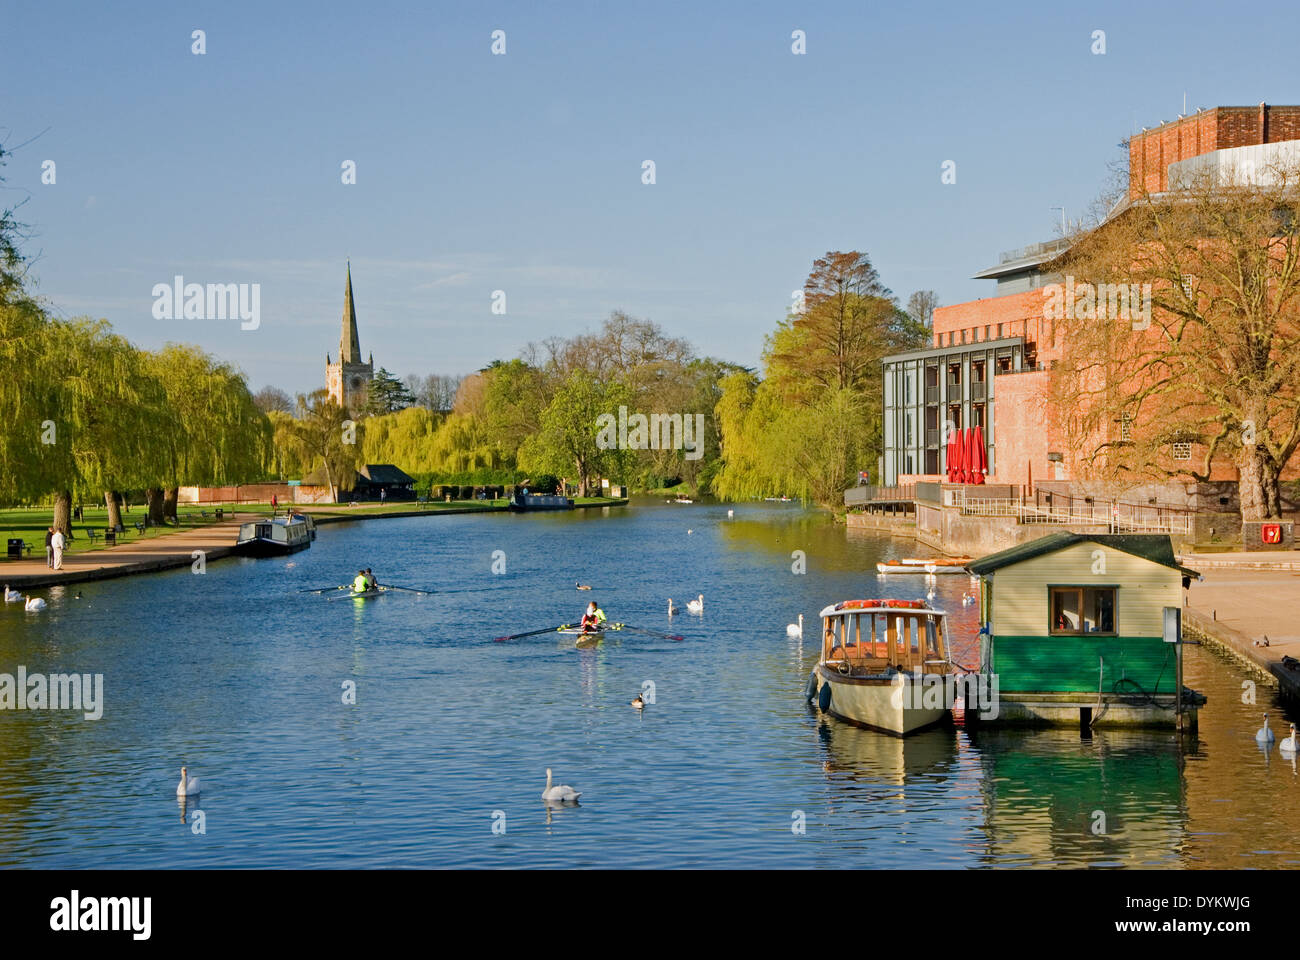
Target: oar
326, 589
653, 633
532, 633
393, 586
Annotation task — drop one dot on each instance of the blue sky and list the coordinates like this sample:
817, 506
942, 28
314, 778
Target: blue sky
522, 172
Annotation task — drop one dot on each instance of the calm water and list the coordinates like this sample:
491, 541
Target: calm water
239, 675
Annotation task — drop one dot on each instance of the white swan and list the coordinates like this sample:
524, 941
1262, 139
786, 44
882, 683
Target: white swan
12, 596
188, 787
1288, 746
1264, 734
795, 629
560, 792
696, 606
34, 604
672, 610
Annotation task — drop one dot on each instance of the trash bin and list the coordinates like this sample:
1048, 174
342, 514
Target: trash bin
220, 513
15, 548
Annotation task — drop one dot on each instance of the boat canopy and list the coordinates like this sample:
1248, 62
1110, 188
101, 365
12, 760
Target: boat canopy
847, 607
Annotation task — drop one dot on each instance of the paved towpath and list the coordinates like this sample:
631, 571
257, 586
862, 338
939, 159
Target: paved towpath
1244, 598
146, 554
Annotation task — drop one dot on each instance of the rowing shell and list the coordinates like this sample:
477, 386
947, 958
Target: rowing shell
585, 639
363, 595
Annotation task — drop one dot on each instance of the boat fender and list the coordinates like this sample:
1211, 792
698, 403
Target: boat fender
810, 689
824, 697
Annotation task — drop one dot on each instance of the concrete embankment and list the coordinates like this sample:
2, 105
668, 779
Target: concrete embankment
215, 541
1245, 601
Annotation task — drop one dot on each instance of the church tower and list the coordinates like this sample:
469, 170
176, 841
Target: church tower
348, 381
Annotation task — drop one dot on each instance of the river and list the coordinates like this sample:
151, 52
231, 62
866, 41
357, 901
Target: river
441, 760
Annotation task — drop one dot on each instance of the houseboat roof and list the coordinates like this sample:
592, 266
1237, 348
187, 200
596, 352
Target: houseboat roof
1157, 548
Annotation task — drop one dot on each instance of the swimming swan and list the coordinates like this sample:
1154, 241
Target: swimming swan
1288, 746
560, 792
1264, 734
696, 606
34, 604
795, 629
672, 610
12, 596
188, 787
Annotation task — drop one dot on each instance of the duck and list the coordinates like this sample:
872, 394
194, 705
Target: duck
795, 629
583, 586
189, 786
1288, 746
638, 703
696, 606
34, 604
672, 609
12, 596
560, 793
1264, 734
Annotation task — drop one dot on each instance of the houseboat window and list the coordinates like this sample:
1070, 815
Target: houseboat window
1076, 610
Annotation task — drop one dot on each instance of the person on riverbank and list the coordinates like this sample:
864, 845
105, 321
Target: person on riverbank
57, 543
49, 547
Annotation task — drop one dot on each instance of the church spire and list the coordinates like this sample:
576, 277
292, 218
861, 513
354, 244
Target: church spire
349, 342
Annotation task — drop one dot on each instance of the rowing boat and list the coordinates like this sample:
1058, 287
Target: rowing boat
929, 567
586, 638
363, 595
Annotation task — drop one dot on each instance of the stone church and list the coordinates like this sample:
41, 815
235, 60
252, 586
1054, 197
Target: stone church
348, 380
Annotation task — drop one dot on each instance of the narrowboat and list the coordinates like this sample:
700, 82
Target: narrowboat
1085, 629
537, 501
875, 658
274, 536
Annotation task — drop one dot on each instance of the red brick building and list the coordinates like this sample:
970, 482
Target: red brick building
989, 362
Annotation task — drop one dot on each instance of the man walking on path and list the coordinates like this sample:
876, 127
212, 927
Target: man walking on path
57, 543
49, 547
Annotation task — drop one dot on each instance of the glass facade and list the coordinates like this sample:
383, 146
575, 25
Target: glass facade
929, 391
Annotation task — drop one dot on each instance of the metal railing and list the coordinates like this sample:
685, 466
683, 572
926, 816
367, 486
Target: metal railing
1120, 518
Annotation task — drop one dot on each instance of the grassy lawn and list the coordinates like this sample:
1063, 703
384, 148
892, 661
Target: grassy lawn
31, 524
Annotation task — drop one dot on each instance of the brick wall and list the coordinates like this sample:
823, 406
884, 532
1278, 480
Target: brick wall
1218, 128
1020, 315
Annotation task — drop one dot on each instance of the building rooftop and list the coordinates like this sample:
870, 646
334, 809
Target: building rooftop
1158, 548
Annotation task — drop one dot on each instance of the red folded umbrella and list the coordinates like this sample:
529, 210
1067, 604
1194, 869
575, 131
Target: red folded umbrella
976, 455
959, 457
950, 457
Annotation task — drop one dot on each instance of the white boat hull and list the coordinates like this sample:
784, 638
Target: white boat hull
918, 568
877, 702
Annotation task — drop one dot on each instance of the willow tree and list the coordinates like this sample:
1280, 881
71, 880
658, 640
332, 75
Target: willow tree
1180, 335
29, 466
102, 412
323, 432
219, 434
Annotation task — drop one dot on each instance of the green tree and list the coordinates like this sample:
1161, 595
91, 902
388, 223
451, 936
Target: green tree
387, 394
567, 439
323, 432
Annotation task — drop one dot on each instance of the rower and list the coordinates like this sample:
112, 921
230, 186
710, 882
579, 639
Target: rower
359, 584
370, 578
593, 618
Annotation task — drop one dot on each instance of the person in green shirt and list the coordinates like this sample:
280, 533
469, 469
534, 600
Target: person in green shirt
359, 584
